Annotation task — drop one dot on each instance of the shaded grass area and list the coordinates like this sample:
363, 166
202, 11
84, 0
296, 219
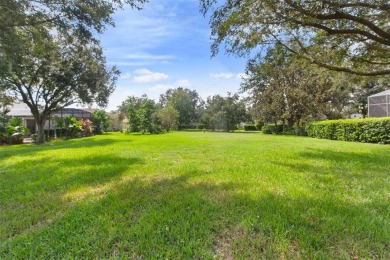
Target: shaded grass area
195, 195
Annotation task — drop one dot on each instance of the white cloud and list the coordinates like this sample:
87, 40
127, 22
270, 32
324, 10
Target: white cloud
222, 75
126, 75
145, 76
130, 64
183, 83
242, 76
161, 88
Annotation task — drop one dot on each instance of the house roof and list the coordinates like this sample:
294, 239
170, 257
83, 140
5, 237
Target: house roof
383, 93
19, 109
22, 110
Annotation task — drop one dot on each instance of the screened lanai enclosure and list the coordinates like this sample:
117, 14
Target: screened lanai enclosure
379, 104
21, 110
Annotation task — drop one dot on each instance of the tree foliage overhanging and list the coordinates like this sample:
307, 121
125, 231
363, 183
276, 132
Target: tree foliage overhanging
50, 57
56, 71
72, 16
348, 36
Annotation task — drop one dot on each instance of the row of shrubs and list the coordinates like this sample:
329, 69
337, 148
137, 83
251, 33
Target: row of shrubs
247, 127
284, 129
370, 130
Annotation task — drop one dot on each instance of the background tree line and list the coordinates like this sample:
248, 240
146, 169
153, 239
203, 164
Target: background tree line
182, 108
280, 89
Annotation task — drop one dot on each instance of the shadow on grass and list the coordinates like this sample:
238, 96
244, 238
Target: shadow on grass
368, 165
31, 198
86, 142
219, 131
187, 217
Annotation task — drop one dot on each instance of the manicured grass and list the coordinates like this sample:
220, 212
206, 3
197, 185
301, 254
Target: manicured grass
195, 195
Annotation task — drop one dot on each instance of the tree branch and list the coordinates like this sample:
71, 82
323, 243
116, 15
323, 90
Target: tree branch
310, 58
344, 31
337, 15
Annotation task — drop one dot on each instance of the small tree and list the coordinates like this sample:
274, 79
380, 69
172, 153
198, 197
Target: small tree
87, 127
73, 126
145, 115
101, 121
168, 117
186, 102
60, 123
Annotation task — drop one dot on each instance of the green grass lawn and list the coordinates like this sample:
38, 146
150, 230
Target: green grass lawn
195, 195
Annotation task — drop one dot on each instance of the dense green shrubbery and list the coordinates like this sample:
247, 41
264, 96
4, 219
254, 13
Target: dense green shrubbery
201, 126
259, 125
371, 130
250, 127
280, 129
300, 130
34, 138
71, 127
272, 129
12, 131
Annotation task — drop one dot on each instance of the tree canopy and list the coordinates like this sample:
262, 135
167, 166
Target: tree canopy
49, 54
74, 16
283, 88
55, 72
347, 36
185, 101
224, 112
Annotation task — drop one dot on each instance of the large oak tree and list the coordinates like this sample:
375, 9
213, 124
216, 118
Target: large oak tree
283, 88
56, 71
349, 36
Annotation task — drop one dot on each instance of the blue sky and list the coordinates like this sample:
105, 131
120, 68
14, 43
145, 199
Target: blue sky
167, 45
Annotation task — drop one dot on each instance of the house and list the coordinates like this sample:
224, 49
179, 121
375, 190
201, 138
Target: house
23, 111
379, 104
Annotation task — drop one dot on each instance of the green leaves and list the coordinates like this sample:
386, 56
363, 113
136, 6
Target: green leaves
346, 37
370, 130
101, 121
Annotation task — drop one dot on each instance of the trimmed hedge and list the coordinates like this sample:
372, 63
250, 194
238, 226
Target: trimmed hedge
272, 129
202, 126
259, 125
369, 130
286, 130
250, 127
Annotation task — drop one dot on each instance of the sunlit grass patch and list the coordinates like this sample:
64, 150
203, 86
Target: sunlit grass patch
195, 195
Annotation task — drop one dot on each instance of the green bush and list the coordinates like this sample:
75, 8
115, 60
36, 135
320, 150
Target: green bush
14, 134
301, 130
272, 129
286, 130
16, 138
259, 125
370, 130
201, 126
155, 129
34, 138
250, 127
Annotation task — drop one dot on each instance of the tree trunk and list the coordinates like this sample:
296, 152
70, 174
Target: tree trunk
290, 122
41, 120
41, 132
